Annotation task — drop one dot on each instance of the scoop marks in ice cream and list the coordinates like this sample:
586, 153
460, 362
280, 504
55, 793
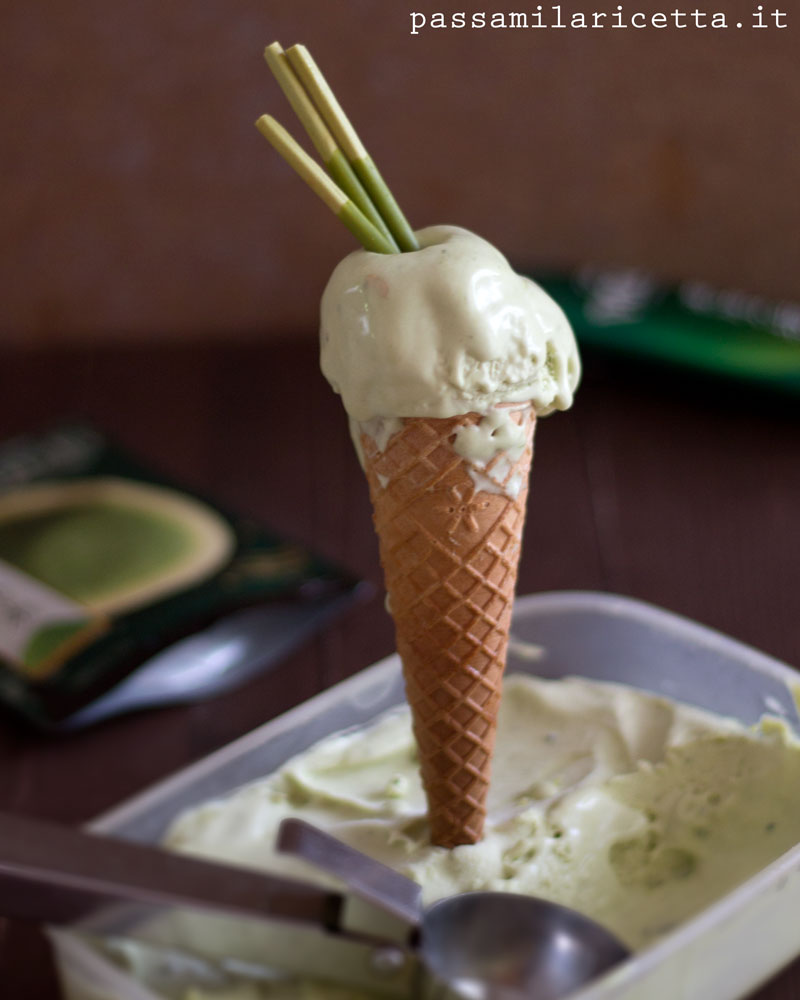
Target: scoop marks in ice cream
635, 809
444, 330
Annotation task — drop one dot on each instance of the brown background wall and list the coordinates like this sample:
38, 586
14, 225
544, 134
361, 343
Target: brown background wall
139, 201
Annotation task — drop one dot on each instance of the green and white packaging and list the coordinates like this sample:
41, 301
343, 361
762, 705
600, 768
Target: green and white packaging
721, 332
119, 589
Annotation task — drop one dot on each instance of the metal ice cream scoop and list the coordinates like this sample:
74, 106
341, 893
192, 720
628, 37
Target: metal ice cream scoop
492, 946
477, 945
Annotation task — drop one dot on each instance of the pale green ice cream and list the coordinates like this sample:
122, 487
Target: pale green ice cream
634, 809
445, 330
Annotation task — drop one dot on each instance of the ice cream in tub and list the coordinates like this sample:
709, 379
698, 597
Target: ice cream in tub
721, 952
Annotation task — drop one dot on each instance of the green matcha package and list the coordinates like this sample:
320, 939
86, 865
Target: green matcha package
119, 589
693, 325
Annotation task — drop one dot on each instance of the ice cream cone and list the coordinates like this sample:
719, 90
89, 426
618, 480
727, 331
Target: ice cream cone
450, 531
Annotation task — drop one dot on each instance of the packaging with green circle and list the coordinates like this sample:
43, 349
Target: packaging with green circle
104, 564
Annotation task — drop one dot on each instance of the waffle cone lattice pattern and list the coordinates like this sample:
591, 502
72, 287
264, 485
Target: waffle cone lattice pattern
450, 550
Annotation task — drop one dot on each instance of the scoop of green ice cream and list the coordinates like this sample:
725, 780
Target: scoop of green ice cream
444, 330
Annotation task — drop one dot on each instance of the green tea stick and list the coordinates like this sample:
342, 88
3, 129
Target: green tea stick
335, 161
346, 137
337, 201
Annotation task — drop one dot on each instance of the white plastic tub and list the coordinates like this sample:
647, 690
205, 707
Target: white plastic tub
721, 954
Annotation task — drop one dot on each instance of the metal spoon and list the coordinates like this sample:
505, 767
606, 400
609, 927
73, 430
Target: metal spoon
501, 946
490, 946
479, 945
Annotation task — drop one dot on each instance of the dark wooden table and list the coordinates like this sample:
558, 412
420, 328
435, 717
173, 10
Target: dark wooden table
655, 485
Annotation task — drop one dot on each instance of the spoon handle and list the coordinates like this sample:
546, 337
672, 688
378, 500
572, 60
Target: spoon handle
61, 875
372, 881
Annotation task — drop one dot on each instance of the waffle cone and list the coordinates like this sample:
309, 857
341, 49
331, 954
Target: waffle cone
450, 534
